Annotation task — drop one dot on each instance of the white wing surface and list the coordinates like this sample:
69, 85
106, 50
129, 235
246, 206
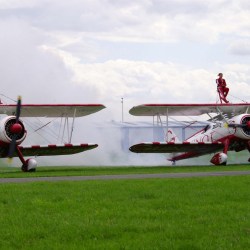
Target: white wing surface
188, 109
52, 110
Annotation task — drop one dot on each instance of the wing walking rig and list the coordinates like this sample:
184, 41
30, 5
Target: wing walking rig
13, 132
229, 130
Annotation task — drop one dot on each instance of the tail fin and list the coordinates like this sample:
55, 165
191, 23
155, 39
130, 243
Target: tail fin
171, 136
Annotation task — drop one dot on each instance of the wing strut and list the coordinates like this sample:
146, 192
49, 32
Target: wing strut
222, 116
72, 126
162, 123
69, 128
65, 128
247, 109
167, 125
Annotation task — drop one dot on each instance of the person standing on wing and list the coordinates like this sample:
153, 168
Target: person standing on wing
222, 88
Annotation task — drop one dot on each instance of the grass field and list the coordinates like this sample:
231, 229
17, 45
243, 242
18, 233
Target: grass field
188, 213
78, 171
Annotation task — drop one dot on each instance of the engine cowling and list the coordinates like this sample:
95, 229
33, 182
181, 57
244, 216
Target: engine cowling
219, 159
9, 128
242, 125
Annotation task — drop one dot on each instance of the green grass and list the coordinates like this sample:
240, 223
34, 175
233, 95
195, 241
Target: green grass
189, 213
79, 171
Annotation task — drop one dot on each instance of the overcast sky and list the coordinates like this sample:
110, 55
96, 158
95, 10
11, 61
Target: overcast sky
146, 51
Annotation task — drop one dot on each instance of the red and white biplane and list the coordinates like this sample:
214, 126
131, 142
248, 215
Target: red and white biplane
13, 131
228, 130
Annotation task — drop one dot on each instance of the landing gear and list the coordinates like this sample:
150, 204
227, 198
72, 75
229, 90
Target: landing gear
219, 159
25, 169
248, 147
29, 165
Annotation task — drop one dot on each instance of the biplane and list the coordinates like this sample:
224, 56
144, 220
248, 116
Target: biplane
13, 131
228, 129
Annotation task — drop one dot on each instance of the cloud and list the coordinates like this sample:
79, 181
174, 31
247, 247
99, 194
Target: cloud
15, 4
145, 20
29, 70
240, 47
140, 81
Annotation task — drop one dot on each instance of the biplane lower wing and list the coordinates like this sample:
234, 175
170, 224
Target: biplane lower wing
162, 147
188, 109
49, 150
52, 110
66, 149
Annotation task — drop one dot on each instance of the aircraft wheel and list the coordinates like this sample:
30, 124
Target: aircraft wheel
29, 166
32, 170
24, 168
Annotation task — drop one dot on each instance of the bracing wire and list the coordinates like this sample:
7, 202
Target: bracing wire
49, 131
8, 97
238, 98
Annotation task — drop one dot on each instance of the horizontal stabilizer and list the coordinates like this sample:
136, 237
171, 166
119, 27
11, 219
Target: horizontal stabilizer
162, 147
62, 149
52, 110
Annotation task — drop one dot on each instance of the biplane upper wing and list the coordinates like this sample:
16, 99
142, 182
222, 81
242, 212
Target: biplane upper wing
49, 150
52, 110
164, 147
188, 109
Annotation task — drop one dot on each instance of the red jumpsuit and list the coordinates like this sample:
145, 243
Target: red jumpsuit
222, 89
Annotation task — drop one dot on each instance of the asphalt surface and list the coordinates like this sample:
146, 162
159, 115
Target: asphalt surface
123, 177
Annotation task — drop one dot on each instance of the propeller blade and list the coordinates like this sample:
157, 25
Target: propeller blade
18, 108
244, 125
12, 146
237, 125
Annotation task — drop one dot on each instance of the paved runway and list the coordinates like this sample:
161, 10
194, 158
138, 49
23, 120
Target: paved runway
123, 177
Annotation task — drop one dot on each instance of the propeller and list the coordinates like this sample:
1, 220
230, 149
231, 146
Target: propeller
15, 128
245, 125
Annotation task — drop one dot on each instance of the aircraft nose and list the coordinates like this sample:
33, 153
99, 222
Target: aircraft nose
16, 128
248, 124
